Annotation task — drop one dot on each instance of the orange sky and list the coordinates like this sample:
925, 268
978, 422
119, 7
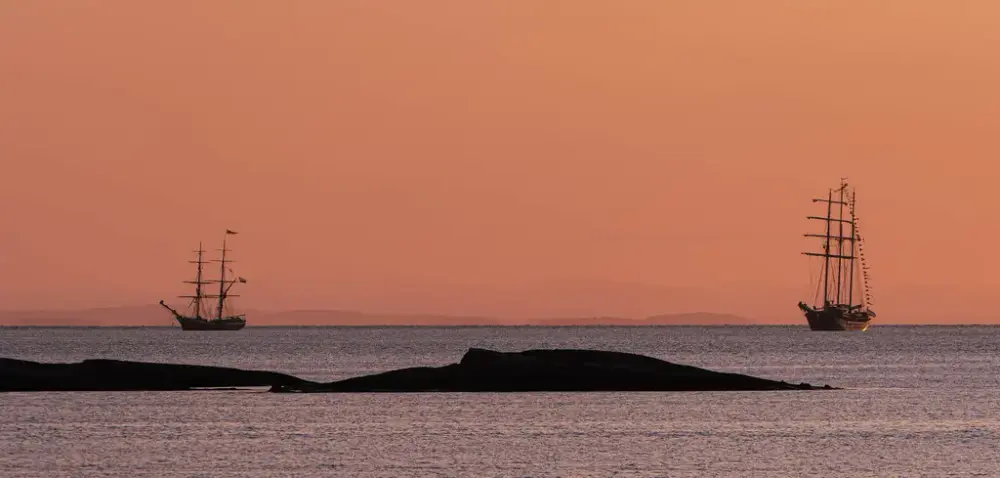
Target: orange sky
414, 156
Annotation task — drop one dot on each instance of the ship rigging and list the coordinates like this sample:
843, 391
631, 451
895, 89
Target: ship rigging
206, 314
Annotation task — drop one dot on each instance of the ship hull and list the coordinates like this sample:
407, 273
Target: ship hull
834, 321
837, 318
225, 323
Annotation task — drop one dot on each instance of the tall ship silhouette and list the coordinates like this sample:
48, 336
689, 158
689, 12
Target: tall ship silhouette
844, 267
211, 311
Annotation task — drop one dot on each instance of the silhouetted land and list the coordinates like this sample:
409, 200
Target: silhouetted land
479, 371
698, 318
116, 375
549, 371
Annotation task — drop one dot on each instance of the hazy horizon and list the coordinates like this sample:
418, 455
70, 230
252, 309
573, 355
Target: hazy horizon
460, 312
535, 158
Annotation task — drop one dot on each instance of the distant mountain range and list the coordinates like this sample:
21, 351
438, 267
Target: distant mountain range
697, 318
153, 315
337, 317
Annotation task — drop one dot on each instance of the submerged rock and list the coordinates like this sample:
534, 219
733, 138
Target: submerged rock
547, 371
115, 375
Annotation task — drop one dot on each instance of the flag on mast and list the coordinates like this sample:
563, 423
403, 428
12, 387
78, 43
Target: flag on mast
228, 231
242, 280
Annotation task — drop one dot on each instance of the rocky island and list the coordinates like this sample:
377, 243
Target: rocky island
549, 371
117, 375
479, 370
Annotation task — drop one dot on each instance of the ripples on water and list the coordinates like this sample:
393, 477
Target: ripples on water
922, 401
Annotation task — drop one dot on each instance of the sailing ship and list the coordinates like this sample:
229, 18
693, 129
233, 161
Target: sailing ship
843, 263
206, 314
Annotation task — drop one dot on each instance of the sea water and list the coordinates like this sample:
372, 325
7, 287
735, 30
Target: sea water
918, 401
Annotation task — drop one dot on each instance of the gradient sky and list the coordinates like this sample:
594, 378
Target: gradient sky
413, 156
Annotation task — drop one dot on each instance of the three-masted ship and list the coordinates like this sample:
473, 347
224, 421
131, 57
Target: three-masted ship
844, 268
210, 311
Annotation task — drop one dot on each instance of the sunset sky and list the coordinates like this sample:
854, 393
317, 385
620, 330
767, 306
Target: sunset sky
513, 157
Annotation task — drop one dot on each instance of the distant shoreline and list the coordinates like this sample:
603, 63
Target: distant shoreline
153, 317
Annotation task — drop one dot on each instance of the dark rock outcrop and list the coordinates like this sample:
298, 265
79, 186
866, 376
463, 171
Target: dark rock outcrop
548, 371
115, 375
479, 371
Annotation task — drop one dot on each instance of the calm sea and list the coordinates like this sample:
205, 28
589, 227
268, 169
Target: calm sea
920, 401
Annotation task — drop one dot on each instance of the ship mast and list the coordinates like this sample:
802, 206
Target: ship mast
826, 251
840, 243
854, 250
224, 285
198, 283
828, 236
222, 277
